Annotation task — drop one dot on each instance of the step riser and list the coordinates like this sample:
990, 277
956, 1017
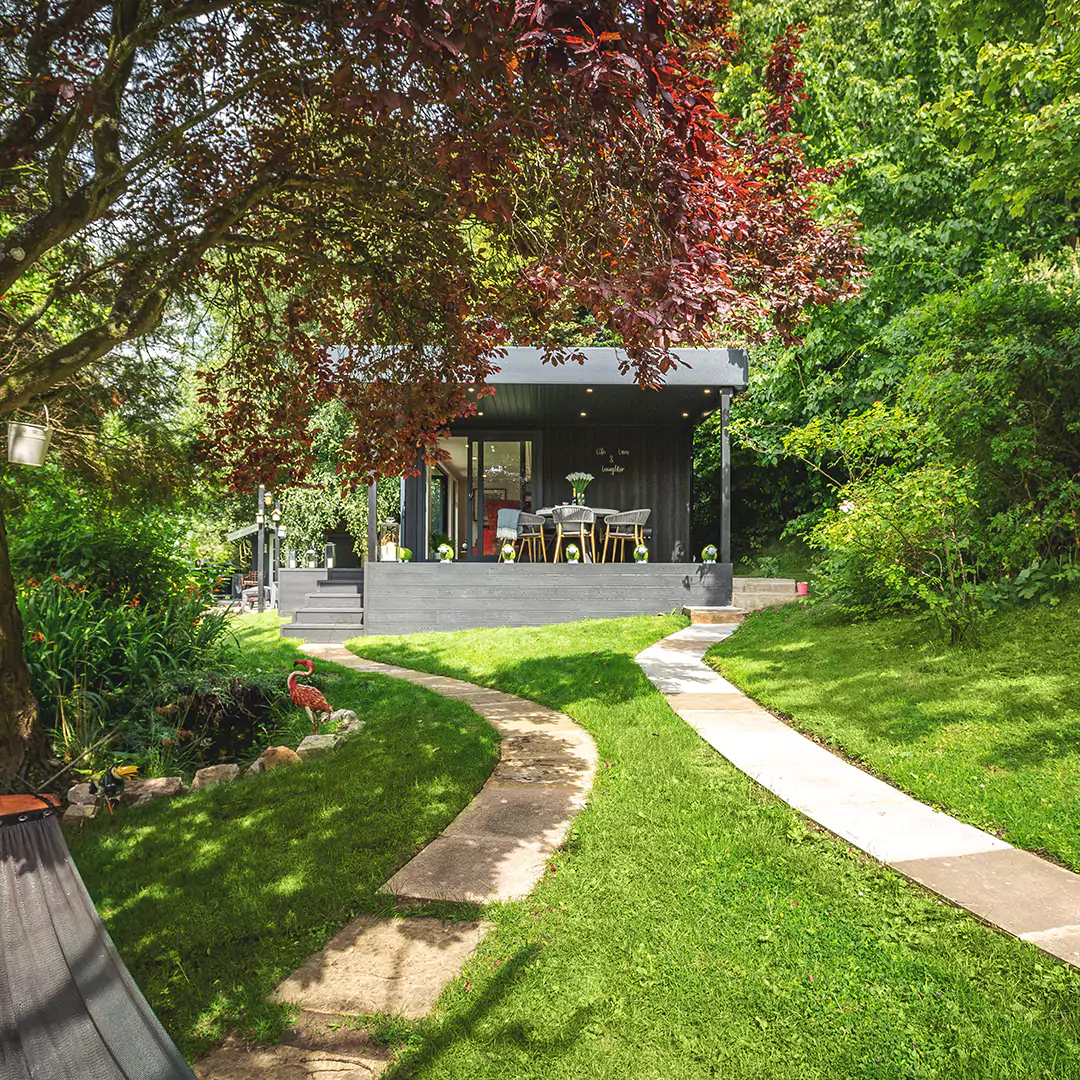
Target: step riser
317, 633
349, 601
753, 603
340, 588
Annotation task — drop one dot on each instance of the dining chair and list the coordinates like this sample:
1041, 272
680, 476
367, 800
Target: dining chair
530, 532
618, 528
574, 523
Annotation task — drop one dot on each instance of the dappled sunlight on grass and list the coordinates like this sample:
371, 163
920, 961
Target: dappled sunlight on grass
991, 734
696, 927
213, 898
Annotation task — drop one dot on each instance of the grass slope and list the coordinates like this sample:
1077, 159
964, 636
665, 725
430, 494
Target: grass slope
695, 927
213, 898
992, 735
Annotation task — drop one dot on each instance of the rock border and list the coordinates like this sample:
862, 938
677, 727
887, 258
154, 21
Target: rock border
83, 806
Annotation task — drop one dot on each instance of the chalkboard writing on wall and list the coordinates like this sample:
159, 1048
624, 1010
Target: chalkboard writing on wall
613, 461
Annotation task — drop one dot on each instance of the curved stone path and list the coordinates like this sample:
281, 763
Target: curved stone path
496, 849
1018, 892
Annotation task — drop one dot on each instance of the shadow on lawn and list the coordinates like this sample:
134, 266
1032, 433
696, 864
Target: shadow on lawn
212, 899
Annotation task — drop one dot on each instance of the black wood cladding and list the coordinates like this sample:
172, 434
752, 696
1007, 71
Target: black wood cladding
635, 467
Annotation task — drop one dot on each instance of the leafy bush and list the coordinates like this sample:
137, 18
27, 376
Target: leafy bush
94, 660
119, 554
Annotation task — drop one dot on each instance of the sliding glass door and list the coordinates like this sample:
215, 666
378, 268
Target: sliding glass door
500, 478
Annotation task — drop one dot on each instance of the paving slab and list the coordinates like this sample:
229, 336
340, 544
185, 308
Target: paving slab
497, 848
472, 870
375, 965
1014, 890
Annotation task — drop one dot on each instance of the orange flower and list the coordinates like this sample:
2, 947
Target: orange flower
37, 635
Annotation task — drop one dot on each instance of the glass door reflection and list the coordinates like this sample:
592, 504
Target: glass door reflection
500, 478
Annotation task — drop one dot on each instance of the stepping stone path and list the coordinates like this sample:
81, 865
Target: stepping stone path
496, 849
1014, 890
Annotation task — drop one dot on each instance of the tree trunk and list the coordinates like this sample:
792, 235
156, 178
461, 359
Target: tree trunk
22, 743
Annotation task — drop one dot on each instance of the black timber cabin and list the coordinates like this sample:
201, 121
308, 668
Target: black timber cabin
543, 422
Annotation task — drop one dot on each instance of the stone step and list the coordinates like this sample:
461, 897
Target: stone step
715, 615
756, 601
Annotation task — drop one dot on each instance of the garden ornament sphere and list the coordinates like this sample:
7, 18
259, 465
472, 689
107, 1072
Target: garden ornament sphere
708, 554
641, 554
572, 553
507, 554
445, 553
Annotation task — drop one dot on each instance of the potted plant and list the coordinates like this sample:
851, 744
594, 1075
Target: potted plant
641, 554
708, 554
573, 555
507, 553
579, 481
445, 553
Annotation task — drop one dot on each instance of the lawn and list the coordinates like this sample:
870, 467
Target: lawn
695, 927
213, 898
990, 734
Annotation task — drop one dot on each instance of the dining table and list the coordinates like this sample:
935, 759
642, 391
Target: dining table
600, 512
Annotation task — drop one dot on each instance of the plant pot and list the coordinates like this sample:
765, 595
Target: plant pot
802, 588
28, 443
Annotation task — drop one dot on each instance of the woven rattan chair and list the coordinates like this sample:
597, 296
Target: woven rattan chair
619, 528
530, 535
574, 523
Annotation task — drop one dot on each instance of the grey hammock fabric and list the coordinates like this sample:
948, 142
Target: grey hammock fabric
69, 1010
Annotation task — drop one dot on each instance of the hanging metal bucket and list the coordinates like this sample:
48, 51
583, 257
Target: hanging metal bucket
28, 443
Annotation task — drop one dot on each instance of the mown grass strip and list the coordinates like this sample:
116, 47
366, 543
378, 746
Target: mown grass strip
989, 734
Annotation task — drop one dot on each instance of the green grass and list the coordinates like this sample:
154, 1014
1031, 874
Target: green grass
695, 927
213, 898
990, 734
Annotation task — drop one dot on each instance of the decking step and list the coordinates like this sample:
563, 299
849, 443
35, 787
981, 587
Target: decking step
334, 599
338, 617
329, 634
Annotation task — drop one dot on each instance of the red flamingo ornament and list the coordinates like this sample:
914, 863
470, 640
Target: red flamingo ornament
309, 698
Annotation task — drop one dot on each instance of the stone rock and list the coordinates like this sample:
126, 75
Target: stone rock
215, 774
79, 795
160, 787
77, 813
342, 716
271, 758
315, 746
350, 728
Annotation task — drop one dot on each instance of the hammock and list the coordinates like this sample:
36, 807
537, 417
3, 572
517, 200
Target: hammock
69, 1010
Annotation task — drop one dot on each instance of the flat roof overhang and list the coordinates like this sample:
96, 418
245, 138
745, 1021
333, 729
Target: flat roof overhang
530, 392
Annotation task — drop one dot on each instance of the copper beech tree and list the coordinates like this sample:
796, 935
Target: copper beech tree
379, 195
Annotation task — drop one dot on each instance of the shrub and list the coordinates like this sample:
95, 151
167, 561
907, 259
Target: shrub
95, 660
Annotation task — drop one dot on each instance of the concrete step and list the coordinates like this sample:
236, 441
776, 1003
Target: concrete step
756, 601
340, 588
764, 585
328, 634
